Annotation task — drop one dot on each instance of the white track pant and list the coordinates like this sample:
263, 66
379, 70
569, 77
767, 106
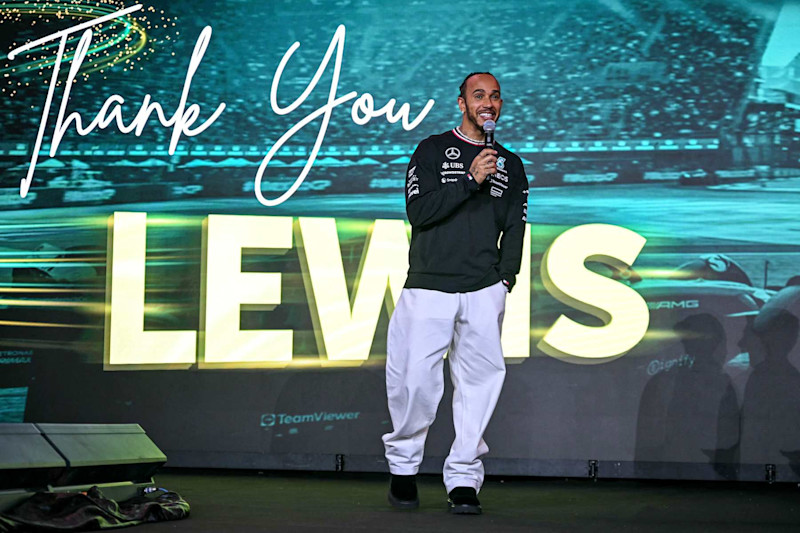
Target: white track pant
424, 326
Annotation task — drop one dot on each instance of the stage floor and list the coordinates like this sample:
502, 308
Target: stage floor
239, 501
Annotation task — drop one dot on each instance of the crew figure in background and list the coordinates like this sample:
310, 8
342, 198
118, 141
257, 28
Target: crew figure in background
463, 197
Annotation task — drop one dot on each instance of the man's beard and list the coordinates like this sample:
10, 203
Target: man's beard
473, 117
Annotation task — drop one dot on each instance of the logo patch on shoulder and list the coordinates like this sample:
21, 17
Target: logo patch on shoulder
452, 153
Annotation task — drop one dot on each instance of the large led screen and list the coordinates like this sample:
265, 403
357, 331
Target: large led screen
203, 225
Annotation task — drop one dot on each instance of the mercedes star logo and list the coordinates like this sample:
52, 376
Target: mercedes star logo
452, 153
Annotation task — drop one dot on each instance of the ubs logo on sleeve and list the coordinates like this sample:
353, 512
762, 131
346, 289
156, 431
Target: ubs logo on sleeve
452, 153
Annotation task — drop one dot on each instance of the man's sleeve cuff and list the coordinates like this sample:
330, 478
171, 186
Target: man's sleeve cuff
472, 185
507, 284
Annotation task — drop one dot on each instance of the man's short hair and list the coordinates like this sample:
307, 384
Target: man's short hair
463, 86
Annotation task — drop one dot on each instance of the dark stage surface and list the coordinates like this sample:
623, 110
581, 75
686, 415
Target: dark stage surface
250, 501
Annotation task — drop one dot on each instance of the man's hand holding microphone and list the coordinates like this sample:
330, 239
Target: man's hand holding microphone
485, 163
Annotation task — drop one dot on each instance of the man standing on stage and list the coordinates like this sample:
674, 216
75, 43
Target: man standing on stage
461, 196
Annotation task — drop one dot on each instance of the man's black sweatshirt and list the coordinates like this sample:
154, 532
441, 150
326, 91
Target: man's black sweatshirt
456, 222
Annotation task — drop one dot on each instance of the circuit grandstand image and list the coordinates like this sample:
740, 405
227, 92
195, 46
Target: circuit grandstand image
634, 91
678, 120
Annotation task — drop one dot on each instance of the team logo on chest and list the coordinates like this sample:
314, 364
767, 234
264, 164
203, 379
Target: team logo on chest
452, 153
501, 163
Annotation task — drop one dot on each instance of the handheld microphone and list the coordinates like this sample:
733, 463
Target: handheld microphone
488, 129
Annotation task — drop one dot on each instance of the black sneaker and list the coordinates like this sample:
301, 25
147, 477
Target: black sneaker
463, 500
403, 492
